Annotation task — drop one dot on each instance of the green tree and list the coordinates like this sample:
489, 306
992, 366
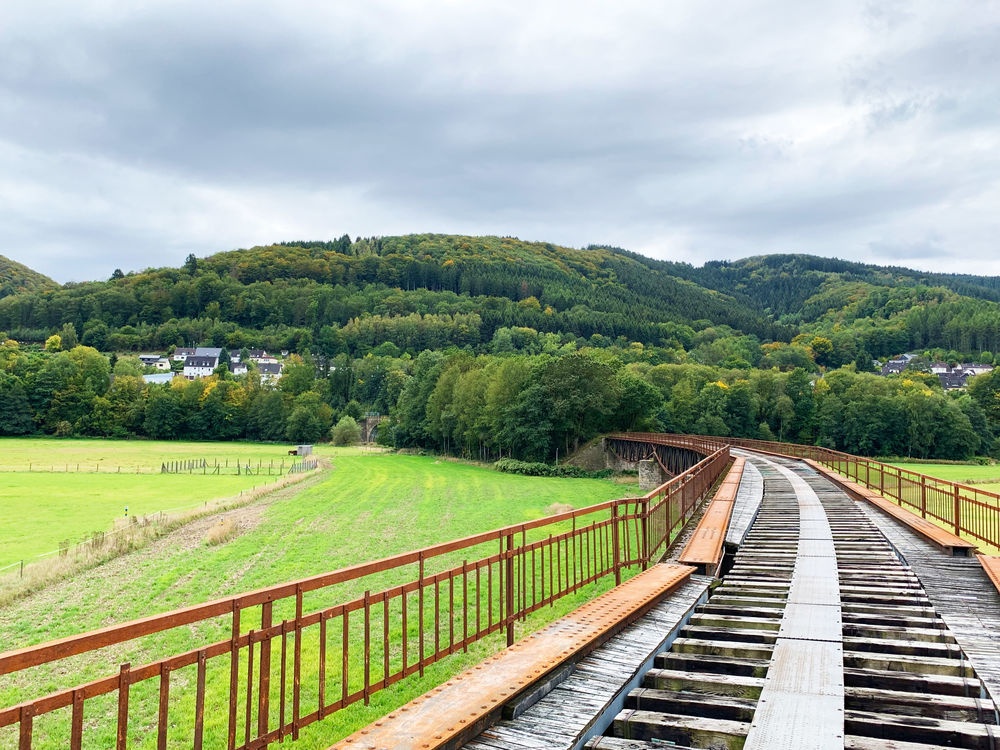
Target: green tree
297, 377
346, 432
582, 396
267, 416
985, 391
15, 410
164, 418
68, 336
638, 402
310, 419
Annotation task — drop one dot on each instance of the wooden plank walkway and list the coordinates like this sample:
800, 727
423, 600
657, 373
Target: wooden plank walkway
961, 592
465, 705
748, 499
571, 714
704, 549
801, 705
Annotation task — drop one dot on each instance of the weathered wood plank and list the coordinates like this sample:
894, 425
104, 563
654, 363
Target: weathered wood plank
915, 729
686, 730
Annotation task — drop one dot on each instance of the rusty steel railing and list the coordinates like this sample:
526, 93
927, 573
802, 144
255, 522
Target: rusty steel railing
963, 509
245, 671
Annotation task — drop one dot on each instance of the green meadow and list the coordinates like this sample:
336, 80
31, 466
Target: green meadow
368, 506
55, 493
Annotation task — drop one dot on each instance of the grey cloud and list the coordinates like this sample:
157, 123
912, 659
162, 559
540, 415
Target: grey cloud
192, 127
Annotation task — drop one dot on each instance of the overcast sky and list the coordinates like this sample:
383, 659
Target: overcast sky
132, 134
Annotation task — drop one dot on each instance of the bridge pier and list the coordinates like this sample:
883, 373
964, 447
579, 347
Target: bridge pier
655, 463
651, 475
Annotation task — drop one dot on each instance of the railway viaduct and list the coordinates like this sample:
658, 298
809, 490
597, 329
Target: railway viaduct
763, 595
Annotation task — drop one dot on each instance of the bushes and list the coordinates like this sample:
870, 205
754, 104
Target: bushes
346, 432
538, 469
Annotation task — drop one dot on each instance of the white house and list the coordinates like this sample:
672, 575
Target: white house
200, 366
269, 372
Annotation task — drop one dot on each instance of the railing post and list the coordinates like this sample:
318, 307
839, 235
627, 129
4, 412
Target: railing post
234, 674
958, 510
420, 612
264, 688
616, 551
509, 586
646, 541
668, 500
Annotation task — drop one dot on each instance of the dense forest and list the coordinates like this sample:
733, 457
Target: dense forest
489, 347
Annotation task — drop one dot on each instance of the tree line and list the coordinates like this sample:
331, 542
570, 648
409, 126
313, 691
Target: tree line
530, 405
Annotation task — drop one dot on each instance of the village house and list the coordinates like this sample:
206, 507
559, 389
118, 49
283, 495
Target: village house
261, 357
269, 372
155, 360
951, 378
202, 363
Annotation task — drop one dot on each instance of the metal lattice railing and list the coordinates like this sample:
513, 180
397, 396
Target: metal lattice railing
249, 670
963, 509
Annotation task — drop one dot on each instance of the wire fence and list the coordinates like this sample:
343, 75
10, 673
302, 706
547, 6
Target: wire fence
205, 466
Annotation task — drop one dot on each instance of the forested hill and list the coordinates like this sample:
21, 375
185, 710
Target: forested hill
301, 294
421, 292
784, 284
16, 278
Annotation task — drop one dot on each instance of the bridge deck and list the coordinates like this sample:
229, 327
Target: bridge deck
837, 626
465, 705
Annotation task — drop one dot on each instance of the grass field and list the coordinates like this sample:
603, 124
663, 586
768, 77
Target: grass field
369, 506
984, 477
54, 492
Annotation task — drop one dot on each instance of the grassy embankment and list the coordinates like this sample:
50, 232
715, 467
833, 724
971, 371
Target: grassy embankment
370, 506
